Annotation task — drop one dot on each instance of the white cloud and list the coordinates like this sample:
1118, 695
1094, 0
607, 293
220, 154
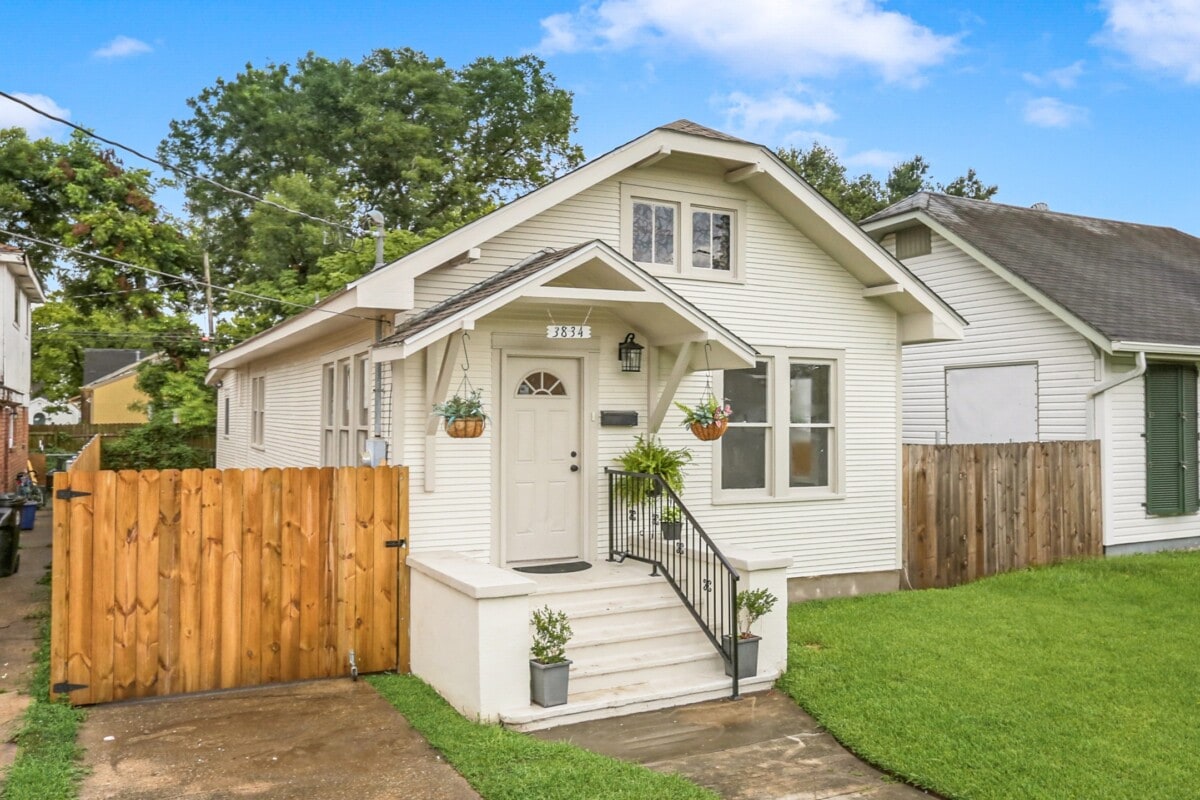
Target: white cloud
36, 126
763, 36
1157, 35
874, 159
762, 118
1063, 77
122, 47
1050, 112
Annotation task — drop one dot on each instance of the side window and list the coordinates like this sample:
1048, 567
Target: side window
654, 232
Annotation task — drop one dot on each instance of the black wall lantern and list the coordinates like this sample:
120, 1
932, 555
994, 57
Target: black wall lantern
629, 353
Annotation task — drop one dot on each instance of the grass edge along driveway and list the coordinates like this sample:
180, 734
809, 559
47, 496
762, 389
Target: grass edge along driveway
1077, 680
505, 765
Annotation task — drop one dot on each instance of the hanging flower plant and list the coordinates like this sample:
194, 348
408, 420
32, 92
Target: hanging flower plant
463, 414
708, 419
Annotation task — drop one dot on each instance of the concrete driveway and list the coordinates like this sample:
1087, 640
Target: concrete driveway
317, 740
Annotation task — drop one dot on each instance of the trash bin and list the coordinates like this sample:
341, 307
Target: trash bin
28, 515
10, 534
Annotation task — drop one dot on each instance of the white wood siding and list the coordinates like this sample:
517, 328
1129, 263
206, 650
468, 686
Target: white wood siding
1004, 327
1124, 454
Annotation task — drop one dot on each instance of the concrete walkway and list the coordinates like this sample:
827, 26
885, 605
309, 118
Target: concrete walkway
319, 740
760, 748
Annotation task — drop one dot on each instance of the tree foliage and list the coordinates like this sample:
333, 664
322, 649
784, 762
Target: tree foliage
427, 145
862, 196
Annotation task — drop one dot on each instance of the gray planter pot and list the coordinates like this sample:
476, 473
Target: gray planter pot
747, 656
548, 683
671, 530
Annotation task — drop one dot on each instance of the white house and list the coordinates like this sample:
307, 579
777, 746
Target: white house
19, 289
1078, 328
721, 263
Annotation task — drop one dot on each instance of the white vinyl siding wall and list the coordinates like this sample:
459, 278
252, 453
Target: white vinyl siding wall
1124, 457
794, 296
1004, 326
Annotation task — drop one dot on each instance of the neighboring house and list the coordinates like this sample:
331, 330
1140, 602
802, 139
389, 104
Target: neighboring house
49, 412
19, 289
114, 397
1078, 328
712, 254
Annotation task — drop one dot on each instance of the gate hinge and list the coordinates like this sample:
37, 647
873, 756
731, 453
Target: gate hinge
65, 687
396, 543
70, 494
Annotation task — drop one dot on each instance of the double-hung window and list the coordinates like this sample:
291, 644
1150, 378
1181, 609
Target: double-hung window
1171, 449
682, 233
784, 438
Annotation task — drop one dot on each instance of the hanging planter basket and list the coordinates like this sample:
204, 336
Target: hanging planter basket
465, 428
710, 432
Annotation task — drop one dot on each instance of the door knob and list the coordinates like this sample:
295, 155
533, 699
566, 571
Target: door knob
574, 468
573, 454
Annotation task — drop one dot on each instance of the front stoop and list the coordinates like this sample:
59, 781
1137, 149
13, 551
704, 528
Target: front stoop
635, 648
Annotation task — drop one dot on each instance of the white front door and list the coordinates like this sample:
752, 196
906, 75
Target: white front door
541, 457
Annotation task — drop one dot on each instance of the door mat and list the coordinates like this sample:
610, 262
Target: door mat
555, 569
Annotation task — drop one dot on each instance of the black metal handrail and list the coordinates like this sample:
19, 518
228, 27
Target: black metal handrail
648, 522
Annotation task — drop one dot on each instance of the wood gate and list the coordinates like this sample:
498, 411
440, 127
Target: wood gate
183, 581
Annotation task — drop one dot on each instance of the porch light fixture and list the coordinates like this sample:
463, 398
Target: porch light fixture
629, 353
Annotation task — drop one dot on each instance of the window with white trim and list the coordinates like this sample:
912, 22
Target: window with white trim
683, 233
258, 409
783, 439
345, 410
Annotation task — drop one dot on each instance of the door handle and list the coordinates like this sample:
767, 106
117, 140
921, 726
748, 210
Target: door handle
574, 468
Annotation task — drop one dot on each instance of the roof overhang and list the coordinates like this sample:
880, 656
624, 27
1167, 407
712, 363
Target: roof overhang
595, 275
27, 279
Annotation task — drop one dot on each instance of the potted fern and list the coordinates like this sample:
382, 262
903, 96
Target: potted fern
549, 667
650, 456
463, 414
752, 605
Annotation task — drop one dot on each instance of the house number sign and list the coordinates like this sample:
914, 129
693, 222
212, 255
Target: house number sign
568, 331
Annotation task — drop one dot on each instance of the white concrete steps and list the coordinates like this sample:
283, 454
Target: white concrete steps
635, 648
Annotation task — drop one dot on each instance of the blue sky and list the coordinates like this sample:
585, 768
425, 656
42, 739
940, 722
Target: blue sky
1091, 107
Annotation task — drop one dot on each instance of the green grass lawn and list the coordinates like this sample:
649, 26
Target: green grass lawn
1075, 681
504, 765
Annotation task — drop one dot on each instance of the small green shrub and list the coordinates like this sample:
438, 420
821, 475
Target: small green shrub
159, 444
551, 632
753, 605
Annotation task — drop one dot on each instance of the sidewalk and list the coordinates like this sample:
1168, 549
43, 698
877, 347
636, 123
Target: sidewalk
762, 747
23, 602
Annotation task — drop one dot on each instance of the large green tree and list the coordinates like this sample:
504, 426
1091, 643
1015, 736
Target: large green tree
862, 196
427, 145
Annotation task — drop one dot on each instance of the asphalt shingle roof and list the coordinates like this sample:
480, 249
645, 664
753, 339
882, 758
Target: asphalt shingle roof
696, 129
1131, 282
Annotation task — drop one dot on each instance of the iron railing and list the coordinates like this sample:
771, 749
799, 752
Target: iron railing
648, 522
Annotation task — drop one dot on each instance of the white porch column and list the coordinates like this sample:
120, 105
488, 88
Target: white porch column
470, 632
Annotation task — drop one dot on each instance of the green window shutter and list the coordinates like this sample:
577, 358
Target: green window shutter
1171, 448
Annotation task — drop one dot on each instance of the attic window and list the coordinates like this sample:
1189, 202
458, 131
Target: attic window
913, 242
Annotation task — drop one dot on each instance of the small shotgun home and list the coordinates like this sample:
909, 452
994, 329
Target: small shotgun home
681, 262
1080, 328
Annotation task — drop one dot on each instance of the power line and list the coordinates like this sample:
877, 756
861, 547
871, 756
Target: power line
175, 169
192, 281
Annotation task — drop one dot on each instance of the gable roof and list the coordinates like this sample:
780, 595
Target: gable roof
673, 316
1130, 283
390, 288
123, 371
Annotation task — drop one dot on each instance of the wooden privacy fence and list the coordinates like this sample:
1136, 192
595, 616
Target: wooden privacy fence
976, 510
182, 581
88, 459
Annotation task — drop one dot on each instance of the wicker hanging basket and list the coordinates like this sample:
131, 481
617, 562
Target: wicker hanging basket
465, 427
710, 432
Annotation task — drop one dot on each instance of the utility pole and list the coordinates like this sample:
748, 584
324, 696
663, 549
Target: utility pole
208, 295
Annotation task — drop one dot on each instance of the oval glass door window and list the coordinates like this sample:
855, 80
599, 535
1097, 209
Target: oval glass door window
541, 383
